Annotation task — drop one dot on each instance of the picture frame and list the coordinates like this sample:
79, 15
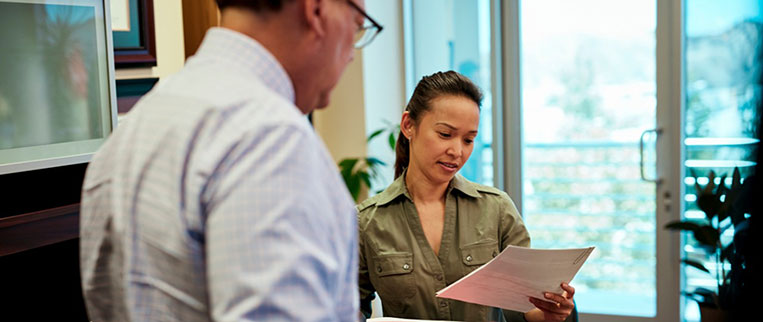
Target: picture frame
137, 47
129, 91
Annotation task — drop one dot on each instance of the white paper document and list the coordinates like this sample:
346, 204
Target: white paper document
516, 274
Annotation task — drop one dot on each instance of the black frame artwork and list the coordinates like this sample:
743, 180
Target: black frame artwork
143, 55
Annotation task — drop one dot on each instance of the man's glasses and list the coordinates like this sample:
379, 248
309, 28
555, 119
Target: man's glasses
368, 31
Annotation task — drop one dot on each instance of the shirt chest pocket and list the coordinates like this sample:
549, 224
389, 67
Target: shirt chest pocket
394, 276
476, 254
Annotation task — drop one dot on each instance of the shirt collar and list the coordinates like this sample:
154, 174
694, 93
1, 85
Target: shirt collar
398, 188
232, 47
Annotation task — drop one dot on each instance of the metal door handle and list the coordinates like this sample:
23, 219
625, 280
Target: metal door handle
657, 131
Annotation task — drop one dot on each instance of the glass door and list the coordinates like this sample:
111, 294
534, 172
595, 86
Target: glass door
722, 66
597, 92
622, 107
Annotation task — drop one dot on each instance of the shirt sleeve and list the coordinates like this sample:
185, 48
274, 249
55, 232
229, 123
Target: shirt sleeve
279, 244
513, 232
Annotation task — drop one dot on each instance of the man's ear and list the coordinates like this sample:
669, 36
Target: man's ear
314, 12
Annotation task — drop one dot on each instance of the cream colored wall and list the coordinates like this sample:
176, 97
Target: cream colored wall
341, 125
170, 52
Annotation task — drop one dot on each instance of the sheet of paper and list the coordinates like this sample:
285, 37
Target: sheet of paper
516, 274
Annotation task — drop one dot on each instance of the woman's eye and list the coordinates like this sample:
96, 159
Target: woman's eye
469, 141
445, 135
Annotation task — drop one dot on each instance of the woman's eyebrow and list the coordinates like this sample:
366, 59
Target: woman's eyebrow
452, 127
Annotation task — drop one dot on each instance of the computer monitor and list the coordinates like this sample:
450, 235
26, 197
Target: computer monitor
57, 92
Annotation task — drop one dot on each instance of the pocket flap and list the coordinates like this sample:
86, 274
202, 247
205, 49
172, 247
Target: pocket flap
479, 253
394, 264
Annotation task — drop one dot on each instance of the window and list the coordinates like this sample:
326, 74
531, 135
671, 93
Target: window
456, 35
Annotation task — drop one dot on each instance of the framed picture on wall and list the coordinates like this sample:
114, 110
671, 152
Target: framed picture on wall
129, 91
133, 32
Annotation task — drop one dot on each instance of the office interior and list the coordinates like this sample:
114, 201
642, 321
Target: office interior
600, 119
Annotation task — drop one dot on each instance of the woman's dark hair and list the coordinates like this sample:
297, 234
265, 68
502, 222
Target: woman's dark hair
439, 84
255, 5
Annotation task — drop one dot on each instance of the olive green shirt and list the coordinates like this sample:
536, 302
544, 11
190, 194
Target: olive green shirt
397, 262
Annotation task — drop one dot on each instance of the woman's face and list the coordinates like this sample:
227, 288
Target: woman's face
443, 139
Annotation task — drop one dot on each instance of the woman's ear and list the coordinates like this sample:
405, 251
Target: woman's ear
406, 125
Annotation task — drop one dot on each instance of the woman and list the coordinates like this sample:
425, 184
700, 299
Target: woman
431, 226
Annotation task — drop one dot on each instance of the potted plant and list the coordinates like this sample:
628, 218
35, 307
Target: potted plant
725, 211
358, 172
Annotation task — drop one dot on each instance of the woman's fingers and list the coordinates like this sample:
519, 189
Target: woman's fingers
558, 298
548, 307
551, 311
569, 290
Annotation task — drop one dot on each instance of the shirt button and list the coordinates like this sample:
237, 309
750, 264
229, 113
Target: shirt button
406, 266
378, 269
439, 277
468, 258
443, 304
495, 253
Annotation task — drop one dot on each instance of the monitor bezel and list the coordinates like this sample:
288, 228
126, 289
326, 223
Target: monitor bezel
38, 164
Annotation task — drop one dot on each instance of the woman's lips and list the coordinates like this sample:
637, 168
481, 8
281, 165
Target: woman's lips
447, 166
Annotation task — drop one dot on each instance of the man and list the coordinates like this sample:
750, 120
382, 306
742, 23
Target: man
214, 199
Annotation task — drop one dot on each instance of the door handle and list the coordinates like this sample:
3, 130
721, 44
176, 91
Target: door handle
657, 131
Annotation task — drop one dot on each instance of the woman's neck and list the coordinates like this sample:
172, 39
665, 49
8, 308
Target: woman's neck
422, 189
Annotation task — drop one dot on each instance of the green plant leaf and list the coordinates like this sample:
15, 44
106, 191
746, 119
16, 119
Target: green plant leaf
345, 169
743, 200
707, 236
708, 189
353, 184
705, 297
366, 178
728, 208
695, 264
709, 203
719, 192
704, 234
697, 188
683, 225
721, 187
736, 180
392, 140
348, 164
375, 134
373, 162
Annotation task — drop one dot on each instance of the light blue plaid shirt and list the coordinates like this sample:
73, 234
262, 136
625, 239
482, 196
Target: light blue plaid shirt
215, 200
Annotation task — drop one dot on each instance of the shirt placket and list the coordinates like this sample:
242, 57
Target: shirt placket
440, 281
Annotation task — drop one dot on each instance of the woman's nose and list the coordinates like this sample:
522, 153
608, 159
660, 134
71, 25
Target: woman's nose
455, 150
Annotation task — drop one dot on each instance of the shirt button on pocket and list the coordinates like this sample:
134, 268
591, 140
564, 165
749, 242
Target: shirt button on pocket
406, 266
468, 258
439, 277
379, 269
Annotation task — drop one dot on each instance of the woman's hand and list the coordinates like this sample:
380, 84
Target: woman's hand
557, 310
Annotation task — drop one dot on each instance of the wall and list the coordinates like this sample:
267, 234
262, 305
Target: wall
384, 82
341, 124
43, 284
170, 51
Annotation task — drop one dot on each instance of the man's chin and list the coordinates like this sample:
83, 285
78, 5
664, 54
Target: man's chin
318, 104
323, 102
